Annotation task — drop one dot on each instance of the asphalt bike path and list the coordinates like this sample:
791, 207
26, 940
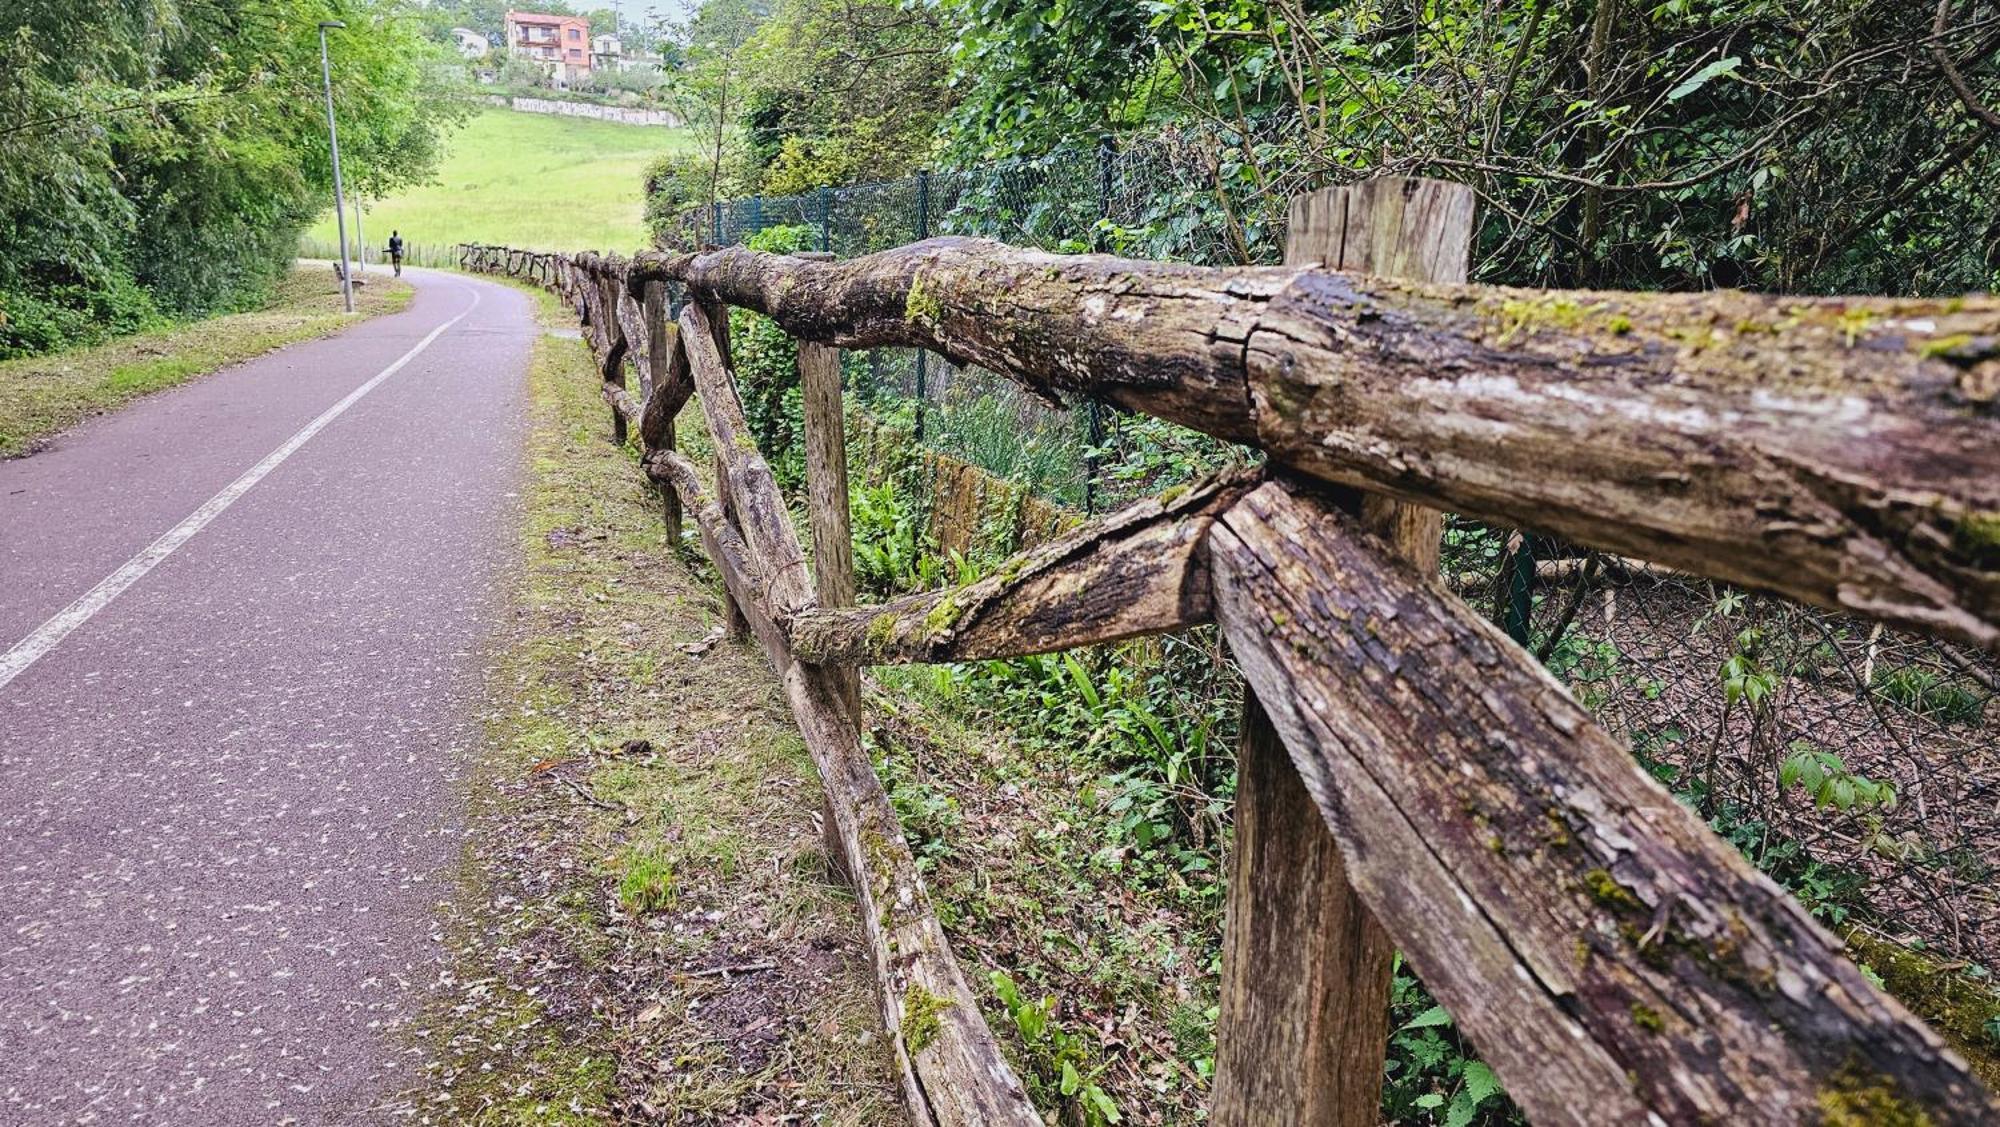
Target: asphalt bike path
240, 633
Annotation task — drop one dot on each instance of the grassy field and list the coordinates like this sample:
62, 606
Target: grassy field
526, 180
41, 395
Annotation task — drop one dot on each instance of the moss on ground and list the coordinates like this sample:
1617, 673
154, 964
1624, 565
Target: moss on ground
1963, 1010
43, 395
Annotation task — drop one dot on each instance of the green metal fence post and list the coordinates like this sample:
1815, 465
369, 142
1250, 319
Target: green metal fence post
923, 232
1099, 243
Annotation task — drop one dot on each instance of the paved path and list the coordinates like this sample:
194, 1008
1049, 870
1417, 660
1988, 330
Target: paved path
228, 796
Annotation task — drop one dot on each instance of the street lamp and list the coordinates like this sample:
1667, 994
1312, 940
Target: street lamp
333, 139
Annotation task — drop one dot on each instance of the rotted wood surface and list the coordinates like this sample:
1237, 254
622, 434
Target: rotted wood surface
751, 492
1844, 451
961, 1077
1610, 957
1137, 571
668, 386
1391, 227
826, 492
1306, 969
744, 579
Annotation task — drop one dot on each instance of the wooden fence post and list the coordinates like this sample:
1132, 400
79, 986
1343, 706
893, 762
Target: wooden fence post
826, 487
1305, 967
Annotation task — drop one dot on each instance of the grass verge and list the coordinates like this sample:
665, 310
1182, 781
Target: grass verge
644, 930
40, 396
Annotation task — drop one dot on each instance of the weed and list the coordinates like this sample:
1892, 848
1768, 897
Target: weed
1926, 693
647, 884
1060, 1068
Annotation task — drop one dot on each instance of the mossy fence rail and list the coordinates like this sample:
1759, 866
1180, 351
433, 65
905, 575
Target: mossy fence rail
1611, 958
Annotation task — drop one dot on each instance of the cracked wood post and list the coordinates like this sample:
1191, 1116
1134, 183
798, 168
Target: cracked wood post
710, 323
1610, 957
1306, 968
826, 488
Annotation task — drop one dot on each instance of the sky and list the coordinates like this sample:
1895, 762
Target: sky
644, 10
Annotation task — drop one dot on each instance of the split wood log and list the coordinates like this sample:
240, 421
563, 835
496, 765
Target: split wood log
673, 383
744, 582
1137, 571
735, 622
960, 1076
667, 388
952, 1070
624, 409
1844, 451
1610, 957
631, 316
752, 494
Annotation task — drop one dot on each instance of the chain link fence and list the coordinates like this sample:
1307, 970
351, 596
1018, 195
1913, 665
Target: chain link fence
1860, 766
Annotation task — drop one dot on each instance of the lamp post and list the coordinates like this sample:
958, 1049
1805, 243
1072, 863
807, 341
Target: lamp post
333, 139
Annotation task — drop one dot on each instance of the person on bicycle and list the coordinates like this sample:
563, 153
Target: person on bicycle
396, 251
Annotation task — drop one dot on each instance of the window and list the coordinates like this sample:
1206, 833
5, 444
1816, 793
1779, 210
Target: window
575, 54
575, 34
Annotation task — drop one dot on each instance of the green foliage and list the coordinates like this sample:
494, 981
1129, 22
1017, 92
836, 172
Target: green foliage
1928, 693
766, 362
164, 156
1675, 145
647, 884
1432, 1075
878, 121
1824, 777
890, 556
1060, 1064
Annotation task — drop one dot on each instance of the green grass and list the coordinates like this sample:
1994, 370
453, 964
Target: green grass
41, 395
526, 180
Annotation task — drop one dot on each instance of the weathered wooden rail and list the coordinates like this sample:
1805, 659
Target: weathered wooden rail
1611, 958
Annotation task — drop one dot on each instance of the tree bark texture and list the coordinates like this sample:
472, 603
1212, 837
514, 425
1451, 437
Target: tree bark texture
1610, 957
1844, 451
1137, 571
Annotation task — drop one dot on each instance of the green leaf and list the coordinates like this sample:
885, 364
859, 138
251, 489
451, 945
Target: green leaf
1480, 1083
1461, 1112
1430, 1100
1071, 1079
1720, 68
1105, 1107
1436, 1015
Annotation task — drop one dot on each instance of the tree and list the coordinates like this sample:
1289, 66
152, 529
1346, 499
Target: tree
844, 90
1797, 144
164, 157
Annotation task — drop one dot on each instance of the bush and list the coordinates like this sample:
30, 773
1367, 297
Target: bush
72, 314
675, 182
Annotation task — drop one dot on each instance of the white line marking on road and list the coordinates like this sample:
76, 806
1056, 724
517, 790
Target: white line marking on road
51, 633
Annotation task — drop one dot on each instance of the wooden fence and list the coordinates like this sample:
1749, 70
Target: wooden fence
1612, 959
